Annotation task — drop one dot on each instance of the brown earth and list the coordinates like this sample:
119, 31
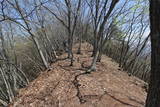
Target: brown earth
65, 86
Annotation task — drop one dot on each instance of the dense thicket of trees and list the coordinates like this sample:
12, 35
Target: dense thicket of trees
34, 33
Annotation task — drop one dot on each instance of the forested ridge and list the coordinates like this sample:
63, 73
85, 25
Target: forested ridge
116, 41
72, 87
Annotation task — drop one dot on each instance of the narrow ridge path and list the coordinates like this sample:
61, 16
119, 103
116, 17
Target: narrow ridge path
66, 86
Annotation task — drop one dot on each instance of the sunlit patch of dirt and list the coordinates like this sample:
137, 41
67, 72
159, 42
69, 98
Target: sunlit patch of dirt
65, 86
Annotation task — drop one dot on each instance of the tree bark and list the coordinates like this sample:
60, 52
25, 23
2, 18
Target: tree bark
40, 52
100, 51
153, 98
80, 43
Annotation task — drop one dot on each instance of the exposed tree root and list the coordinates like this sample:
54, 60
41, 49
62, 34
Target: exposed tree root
77, 85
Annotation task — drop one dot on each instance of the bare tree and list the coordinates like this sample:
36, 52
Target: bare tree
24, 23
100, 33
10, 73
42, 32
71, 23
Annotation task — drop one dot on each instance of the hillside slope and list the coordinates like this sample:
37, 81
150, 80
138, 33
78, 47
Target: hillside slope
65, 86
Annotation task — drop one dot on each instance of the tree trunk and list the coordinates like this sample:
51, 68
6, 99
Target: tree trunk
94, 45
52, 47
153, 98
7, 84
100, 51
70, 45
80, 43
40, 51
93, 64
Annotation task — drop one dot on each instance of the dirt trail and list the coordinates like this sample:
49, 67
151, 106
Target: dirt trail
66, 86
